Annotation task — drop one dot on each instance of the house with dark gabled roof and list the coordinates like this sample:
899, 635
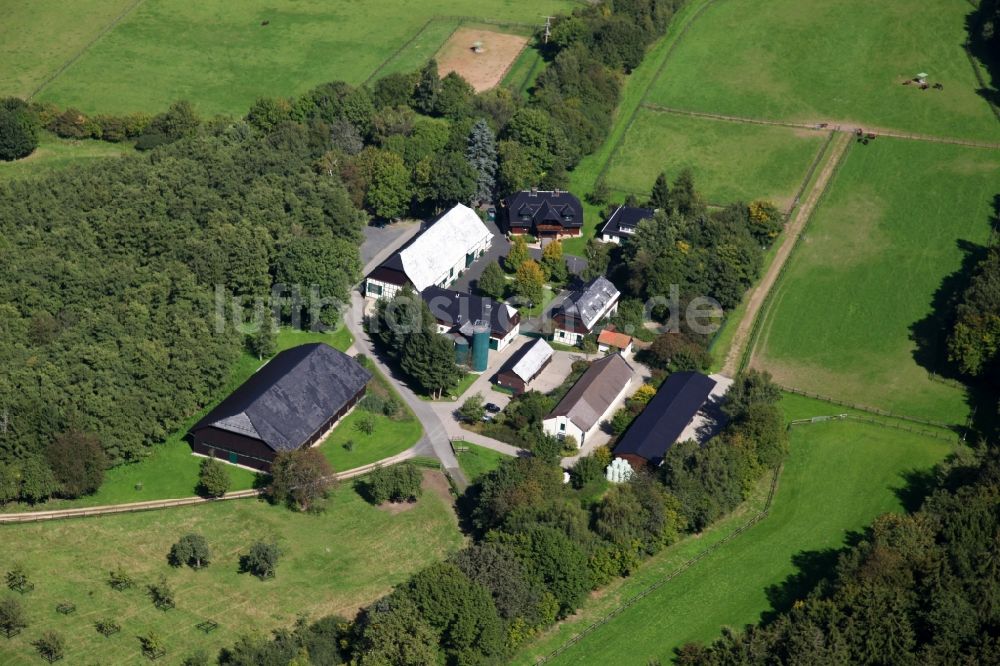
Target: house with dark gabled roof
590, 400
578, 315
288, 404
543, 214
623, 222
456, 312
664, 419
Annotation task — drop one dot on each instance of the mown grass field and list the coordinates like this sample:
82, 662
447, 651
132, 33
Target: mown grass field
841, 62
220, 56
39, 36
334, 562
731, 161
891, 229
857, 468
55, 154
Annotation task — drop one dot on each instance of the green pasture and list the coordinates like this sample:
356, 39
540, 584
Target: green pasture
731, 161
333, 562
842, 62
54, 154
897, 222
859, 469
478, 460
37, 37
221, 55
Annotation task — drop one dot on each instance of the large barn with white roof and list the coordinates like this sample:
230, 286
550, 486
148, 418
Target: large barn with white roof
435, 257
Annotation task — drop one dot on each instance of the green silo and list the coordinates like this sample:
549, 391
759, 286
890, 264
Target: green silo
480, 346
461, 351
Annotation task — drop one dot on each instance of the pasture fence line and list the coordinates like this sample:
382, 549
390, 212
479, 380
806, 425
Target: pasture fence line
687, 564
869, 409
459, 20
810, 172
645, 93
821, 126
870, 421
66, 65
765, 305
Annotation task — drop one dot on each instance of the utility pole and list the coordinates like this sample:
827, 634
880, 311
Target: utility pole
548, 27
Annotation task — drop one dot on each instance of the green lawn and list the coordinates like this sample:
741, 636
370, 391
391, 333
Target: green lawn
731, 161
54, 154
334, 562
854, 467
583, 177
38, 36
841, 62
522, 74
478, 460
220, 56
889, 232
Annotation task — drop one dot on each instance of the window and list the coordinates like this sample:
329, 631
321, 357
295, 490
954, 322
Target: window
233, 458
562, 427
374, 289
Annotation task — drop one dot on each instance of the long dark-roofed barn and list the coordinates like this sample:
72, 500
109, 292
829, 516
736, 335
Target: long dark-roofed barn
664, 419
286, 405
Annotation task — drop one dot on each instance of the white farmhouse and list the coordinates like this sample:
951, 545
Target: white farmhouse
591, 400
436, 256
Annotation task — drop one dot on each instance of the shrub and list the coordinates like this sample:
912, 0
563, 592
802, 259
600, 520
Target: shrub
12, 616
261, 560
399, 483
18, 130
50, 645
365, 424
151, 140
119, 579
17, 578
162, 594
213, 479
192, 550
152, 645
107, 626
472, 410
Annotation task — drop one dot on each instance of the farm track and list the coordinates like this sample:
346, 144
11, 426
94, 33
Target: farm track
133, 507
793, 231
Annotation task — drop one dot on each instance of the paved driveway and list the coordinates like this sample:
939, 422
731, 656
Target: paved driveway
381, 241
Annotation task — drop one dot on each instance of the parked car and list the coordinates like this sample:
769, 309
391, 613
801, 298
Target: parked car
492, 408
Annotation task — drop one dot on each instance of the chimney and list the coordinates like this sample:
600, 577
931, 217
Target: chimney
534, 191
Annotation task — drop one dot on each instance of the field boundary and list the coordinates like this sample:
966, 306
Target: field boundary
152, 505
871, 421
631, 601
459, 20
66, 65
826, 126
603, 172
870, 409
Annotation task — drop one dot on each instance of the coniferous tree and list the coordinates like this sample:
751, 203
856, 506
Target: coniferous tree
482, 155
428, 87
659, 198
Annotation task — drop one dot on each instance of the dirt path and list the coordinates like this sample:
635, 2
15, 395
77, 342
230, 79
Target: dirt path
792, 232
132, 507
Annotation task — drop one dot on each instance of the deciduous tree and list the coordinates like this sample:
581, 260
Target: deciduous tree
77, 461
192, 550
301, 478
492, 281
261, 560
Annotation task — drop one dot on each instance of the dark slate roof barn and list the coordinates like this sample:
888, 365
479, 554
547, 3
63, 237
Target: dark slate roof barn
661, 423
287, 404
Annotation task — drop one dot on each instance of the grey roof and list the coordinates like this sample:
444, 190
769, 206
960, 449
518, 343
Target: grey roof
590, 304
287, 401
594, 392
625, 219
528, 360
666, 416
453, 308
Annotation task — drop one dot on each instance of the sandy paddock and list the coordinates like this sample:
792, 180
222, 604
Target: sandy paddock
483, 70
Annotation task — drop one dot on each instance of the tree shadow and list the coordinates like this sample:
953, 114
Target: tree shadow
918, 484
984, 51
